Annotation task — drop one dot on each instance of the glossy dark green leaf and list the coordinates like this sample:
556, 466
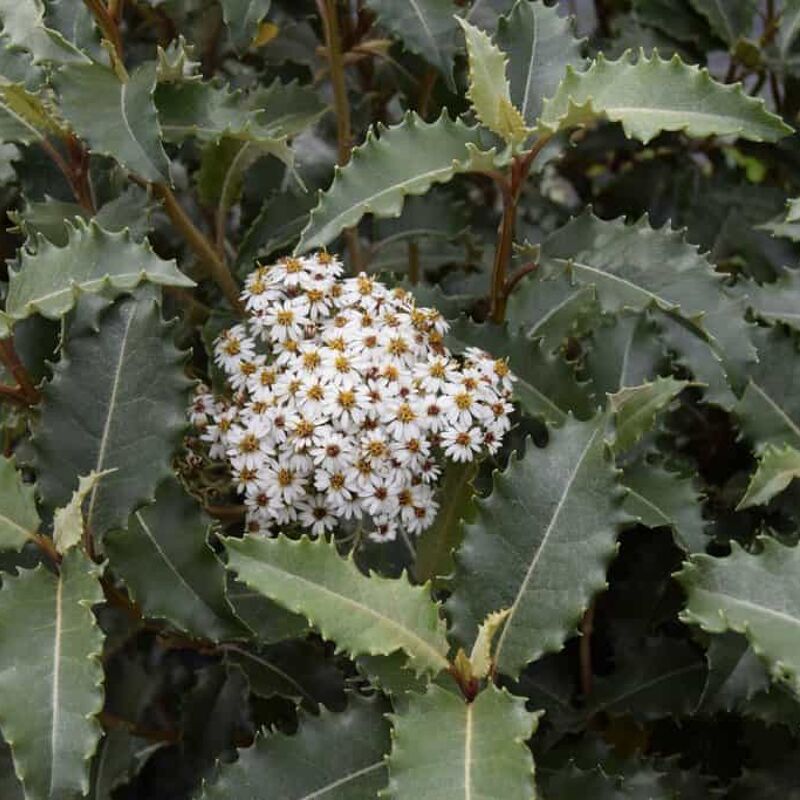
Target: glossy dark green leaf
19, 519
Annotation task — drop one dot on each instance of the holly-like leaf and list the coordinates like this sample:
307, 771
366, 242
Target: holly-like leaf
787, 225
560, 508
164, 558
24, 29
51, 678
650, 95
778, 301
636, 408
480, 658
363, 615
769, 409
777, 468
19, 519
658, 497
68, 521
489, 90
444, 748
117, 400
729, 19
426, 27
116, 119
406, 159
24, 117
540, 46
243, 18
48, 279
338, 756
636, 266
757, 595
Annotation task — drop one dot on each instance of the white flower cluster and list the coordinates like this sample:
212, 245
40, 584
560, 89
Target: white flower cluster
345, 400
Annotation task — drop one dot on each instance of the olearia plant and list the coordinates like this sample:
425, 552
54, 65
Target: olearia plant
399, 399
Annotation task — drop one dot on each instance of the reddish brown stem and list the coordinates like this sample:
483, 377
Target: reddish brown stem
512, 282
10, 359
107, 24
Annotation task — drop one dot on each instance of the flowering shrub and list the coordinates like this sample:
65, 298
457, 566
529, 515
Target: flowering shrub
500, 501
344, 398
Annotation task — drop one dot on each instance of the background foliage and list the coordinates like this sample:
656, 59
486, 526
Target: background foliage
607, 201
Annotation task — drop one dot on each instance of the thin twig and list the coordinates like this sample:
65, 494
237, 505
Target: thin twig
11, 361
107, 23
512, 282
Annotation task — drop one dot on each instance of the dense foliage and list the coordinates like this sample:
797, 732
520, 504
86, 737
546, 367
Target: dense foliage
593, 593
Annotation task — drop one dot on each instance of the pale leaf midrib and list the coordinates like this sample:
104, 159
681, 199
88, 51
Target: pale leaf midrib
55, 685
321, 792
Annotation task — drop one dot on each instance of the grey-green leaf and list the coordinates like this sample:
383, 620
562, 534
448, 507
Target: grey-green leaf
116, 119
650, 95
51, 678
117, 400
757, 595
777, 468
363, 615
540, 46
19, 519
332, 756
243, 18
164, 558
560, 508
444, 748
729, 19
48, 279
24, 28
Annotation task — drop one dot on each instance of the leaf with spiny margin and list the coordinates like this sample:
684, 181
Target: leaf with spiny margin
425, 27
777, 468
24, 117
286, 109
242, 18
545, 385
664, 677
659, 497
268, 621
489, 90
51, 678
338, 756
560, 511
444, 748
757, 595
19, 519
552, 308
651, 95
48, 279
405, 159
735, 675
636, 266
116, 119
436, 544
362, 615
23, 27
788, 224
480, 658
778, 301
164, 558
540, 46
117, 400
635, 409
10, 787
729, 19
769, 408
68, 521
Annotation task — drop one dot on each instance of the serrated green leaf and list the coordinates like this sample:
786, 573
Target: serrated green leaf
436, 544
48, 279
363, 615
164, 558
24, 117
480, 658
729, 19
426, 27
268, 621
68, 521
76, 24
777, 468
757, 595
5, 325
406, 159
787, 225
789, 27
769, 408
653, 95
545, 385
117, 400
332, 756
658, 497
19, 519
778, 301
635, 409
626, 263
116, 119
540, 46
23, 26
444, 748
489, 90
286, 109
51, 678
243, 18
560, 508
